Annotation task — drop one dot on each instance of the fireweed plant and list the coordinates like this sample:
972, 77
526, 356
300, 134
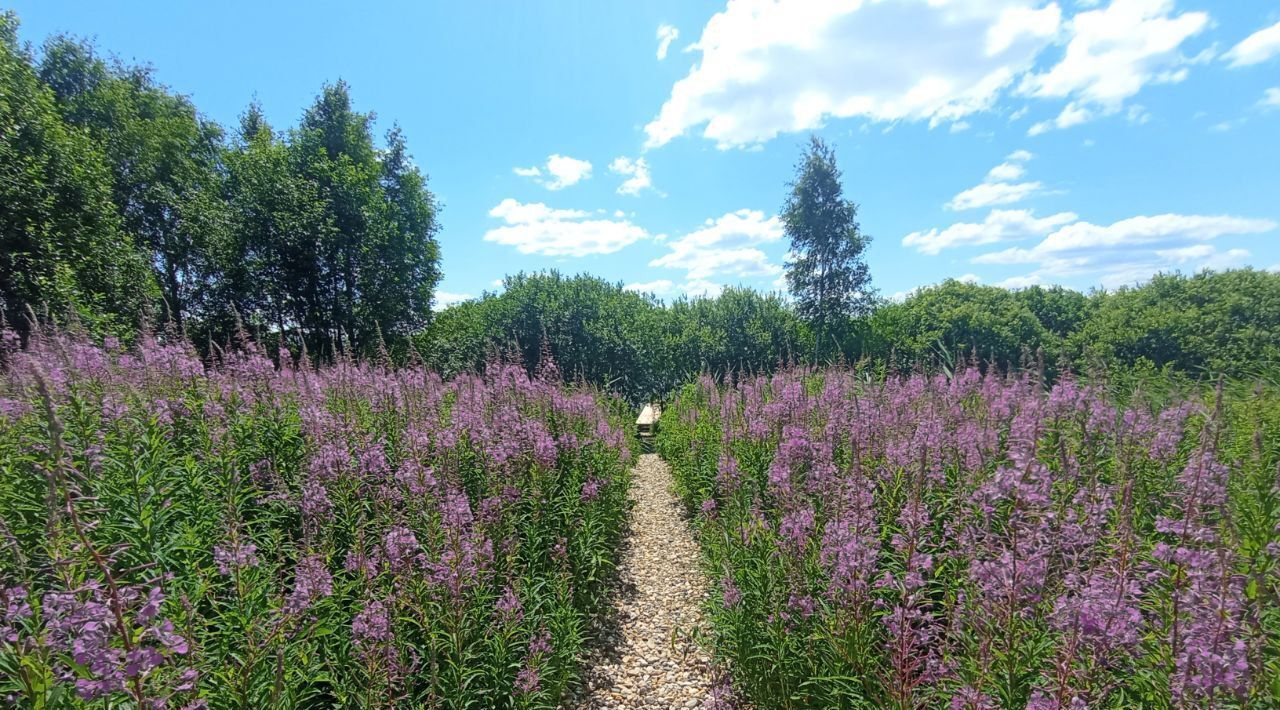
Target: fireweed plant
982, 541
180, 535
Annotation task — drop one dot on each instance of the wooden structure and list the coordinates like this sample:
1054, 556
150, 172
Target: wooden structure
647, 422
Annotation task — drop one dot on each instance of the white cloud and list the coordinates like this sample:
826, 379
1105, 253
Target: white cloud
1143, 230
537, 229
637, 171
725, 246
1132, 249
773, 66
1020, 281
969, 278
658, 288
513, 212
1270, 97
444, 299
1005, 171
666, 35
1199, 253
995, 188
1112, 54
1072, 114
999, 226
701, 288
1137, 114
663, 288
1256, 48
560, 172
993, 193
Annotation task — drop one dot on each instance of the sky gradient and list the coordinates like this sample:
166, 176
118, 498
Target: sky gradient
1011, 142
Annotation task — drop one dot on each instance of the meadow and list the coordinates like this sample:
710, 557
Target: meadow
181, 534
258, 451
985, 540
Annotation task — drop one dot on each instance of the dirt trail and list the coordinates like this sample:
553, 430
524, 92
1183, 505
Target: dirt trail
649, 659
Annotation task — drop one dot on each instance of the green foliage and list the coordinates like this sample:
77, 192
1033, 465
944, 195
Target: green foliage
614, 338
163, 160
1224, 322
61, 243
591, 329
827, 276
266, 262
739, 331
375, 251
317, 235
939, 322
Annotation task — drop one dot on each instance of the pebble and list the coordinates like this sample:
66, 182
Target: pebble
647, 657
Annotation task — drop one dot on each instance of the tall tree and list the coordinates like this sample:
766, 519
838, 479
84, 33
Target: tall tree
827, 274
377, 251
61, 245
267, 262
163, 157
406, 267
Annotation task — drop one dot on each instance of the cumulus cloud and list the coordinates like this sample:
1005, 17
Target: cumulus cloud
666, 35
1256, 48
1073, 114
659, 287
444, 299
770, 67
637, 172
1132, 249
1112, 54
1020, 281
535, 228
559, 172
773, 66
999, 226
701, 288
1270, 98
725, 246
993, 193
997, 188
1005, 172
1144, 230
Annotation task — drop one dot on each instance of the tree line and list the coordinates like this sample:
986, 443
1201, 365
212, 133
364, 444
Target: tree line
120, 204
1192, 326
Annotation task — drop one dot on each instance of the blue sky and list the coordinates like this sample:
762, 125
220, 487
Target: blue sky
1080, 142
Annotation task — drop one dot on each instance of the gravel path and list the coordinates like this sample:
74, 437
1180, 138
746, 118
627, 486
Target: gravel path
647, 657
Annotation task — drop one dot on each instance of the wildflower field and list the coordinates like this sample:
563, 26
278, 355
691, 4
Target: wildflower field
984, 541
180, 534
